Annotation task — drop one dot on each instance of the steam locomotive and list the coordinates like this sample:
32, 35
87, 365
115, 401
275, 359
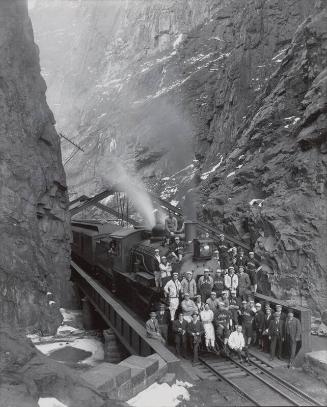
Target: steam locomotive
123, 259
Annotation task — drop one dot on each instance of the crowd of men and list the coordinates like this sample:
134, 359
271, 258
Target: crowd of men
218, 311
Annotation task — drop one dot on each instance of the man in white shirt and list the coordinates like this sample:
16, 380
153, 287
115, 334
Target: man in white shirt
172, 291
165, 267
236, 344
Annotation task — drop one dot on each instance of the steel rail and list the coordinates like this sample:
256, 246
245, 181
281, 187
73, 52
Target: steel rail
230, 382
261, 379
297, 392
287, 385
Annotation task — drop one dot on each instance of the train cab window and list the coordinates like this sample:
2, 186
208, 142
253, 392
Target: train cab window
114, 248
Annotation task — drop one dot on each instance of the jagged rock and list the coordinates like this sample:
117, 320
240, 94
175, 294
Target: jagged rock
28, 375
322, 330
244, 81
34, 222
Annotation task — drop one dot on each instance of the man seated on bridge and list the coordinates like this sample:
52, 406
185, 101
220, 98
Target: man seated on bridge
236, 344
171, 224
152, 328
195, 331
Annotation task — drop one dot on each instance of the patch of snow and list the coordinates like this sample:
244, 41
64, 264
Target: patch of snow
289, 118
256, 201
280, 53
239, 166
296, 120
178, 41
52, 302
241, 157
165, 178
230, 174
50, 402
216, 38
69, 315
160, 395
66, 330
174, 203
205, 175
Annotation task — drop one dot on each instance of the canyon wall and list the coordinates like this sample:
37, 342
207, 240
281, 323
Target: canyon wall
34, 227
34, 222
148, 86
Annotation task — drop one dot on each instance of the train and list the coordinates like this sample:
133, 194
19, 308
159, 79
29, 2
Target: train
123, 259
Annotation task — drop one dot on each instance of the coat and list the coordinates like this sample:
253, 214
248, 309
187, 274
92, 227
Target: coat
152, 328
259, 320
195, 328
189, 286
276, 329
293, 329
179, 327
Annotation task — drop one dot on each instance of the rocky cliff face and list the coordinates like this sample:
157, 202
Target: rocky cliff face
278, 158
34, 253
34, 226
153, 84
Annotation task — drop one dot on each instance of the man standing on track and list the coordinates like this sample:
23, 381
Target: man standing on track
276, 336
173, 290
292, 336
179, 330
195, 331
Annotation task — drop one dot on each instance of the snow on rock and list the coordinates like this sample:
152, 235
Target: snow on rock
69, 315
161, 395
205, 175
50, 402
231, 174
256, 201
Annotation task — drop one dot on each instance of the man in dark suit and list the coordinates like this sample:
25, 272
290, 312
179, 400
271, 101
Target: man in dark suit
276, 335
179, 330
292, 335
195, 331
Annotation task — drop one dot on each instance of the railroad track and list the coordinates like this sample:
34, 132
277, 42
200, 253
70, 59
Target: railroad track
255, 381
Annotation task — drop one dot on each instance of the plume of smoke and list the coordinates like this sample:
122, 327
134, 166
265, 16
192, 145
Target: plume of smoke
114, 174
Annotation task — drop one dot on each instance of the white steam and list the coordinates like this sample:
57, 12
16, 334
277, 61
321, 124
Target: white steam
115, 175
